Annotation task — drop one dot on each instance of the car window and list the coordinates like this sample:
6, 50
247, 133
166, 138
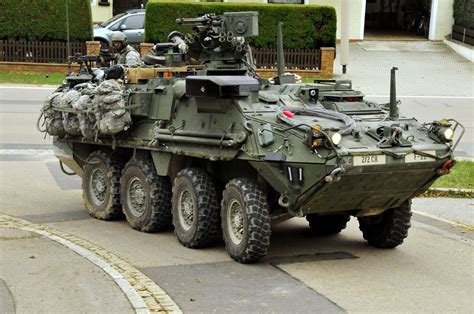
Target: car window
115, 26
113, 19
134, 21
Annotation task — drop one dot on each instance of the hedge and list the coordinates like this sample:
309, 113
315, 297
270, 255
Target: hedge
307, 26
45, 20
463, 11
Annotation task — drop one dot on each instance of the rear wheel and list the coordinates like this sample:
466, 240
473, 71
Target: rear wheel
245, 221
327, 224
195, 208
101, 186
388, 229
145, 196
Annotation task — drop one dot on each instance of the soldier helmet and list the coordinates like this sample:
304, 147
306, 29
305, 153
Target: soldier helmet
119, 36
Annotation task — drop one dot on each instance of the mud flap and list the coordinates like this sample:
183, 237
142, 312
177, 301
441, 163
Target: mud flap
65, 154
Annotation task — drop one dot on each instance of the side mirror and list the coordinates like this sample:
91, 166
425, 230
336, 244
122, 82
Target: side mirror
123, 27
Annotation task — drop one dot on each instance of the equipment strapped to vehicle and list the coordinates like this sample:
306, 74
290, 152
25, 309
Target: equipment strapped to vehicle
88, 109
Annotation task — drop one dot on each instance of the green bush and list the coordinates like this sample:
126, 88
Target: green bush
45, 20
463, 11
305, 26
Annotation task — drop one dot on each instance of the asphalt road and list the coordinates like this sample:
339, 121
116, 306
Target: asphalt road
431, 272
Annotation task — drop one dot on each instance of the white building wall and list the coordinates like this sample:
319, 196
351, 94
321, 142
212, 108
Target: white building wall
357, 16
101, 13
441, 21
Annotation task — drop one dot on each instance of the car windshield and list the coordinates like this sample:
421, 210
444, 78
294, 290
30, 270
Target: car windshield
113, 19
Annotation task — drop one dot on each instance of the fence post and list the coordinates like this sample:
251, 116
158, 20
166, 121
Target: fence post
145, 48
327, 62
92, 48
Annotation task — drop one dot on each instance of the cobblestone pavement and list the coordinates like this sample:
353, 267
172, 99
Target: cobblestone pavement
144, 295
425, 69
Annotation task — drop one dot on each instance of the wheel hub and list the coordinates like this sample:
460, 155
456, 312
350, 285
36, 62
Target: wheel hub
186, 209
97, 186
235, 221
136, 197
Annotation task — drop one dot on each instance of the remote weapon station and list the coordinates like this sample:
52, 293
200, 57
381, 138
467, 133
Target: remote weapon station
197, 141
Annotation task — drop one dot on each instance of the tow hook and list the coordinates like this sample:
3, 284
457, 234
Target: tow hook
446, 167
335, 175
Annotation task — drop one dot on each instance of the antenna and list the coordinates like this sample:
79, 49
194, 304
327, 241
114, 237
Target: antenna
68, 43
393, 95
280, 52
282, 78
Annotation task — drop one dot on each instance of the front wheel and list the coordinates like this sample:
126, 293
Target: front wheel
388, 229
195, 208
245, 221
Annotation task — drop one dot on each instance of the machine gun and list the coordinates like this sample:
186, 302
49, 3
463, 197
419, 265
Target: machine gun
85, 73
88, 65
220, 37
105, 58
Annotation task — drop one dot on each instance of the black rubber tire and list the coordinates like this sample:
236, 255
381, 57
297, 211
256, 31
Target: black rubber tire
110, 167
204, 229
327, 224
388, 229
156, 215
256, 229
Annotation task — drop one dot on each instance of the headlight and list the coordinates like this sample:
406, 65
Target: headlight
336, 138
442, 131
448, 134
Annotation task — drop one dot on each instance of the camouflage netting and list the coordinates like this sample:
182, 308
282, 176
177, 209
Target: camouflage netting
88, 110
70, 120
110, 110
53, 119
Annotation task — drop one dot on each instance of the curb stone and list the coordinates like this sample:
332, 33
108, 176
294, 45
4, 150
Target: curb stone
144, 295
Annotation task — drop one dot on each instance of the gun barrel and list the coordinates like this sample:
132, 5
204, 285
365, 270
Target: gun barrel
191, 21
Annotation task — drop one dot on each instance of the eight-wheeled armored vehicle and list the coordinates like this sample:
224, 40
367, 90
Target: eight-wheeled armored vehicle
217, 152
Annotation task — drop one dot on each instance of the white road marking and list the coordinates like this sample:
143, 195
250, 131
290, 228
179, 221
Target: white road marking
28, 87
451, 222
27, 152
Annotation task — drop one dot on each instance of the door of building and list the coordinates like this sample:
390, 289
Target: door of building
397, 19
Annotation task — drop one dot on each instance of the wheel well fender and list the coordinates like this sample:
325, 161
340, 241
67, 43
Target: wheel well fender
167, 164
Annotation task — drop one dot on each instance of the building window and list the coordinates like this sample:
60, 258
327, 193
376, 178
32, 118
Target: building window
286, 1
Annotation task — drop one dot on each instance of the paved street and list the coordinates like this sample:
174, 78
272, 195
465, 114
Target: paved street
424, 69
432, 270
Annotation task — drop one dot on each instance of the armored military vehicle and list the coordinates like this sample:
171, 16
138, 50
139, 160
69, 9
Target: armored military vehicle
217, 152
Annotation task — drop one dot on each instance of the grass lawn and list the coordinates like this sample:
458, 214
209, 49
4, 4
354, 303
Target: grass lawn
461, 177
31, 78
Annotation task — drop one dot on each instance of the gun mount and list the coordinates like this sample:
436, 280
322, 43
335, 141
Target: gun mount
220, 38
